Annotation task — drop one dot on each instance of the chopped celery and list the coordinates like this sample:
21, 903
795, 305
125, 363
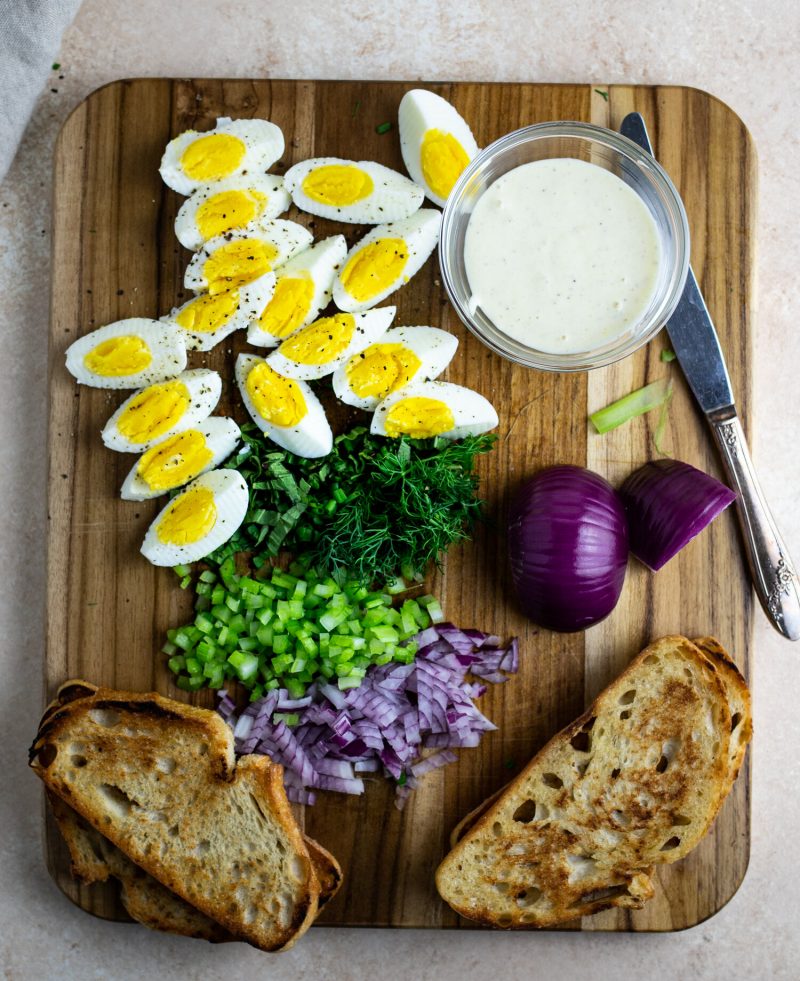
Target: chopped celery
635, 404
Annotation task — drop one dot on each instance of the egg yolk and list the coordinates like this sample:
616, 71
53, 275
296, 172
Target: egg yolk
381, 369
237, 263
442, 158
227, 210
320, 342
154, 411
123, 355
338, 185
419, 417
212, 157
190, 517
208, 312
375, 268
288, 307
176, 461
275, 398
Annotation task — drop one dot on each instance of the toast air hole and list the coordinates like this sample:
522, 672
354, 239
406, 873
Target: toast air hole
46, 755
736, 718
625, 715
627, 697
107, 718
501, 887
529, 896
670, 843
78, 761
497, 829
650, 659
662, 764
526, 812
680, 820
581, 742
552, 780
117, 800
504, 920
615, 773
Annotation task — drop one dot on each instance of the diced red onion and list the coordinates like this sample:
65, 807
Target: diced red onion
391, 722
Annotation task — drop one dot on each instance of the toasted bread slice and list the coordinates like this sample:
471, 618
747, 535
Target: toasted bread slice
739, 704
635, 781
158, 779
94, 859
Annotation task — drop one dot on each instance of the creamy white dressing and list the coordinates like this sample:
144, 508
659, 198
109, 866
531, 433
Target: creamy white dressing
562, 255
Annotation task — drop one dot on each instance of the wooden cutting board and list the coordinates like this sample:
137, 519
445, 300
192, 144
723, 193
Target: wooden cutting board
115, 255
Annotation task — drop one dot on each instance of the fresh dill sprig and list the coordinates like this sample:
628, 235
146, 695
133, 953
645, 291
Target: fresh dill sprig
374, 507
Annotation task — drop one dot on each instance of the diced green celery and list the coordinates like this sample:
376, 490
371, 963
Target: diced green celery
244, 664
177, 663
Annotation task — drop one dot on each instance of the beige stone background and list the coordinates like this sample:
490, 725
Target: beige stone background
746, 53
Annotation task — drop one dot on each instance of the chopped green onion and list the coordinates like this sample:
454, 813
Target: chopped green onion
667, 356
635, 404
382, 128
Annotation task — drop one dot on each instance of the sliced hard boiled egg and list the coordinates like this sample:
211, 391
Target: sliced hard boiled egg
284, 409
234, 148
180, 458
158, 411
385, 259
198, 520
324, 345
434, 409
232, 204
402, 355
358, 192
209, 318
435, 142
302, 289
127, 354
237, 258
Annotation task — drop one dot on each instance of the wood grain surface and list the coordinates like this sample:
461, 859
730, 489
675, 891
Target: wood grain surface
115, 256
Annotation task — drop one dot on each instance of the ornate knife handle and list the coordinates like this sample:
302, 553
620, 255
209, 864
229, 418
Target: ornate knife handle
773, 574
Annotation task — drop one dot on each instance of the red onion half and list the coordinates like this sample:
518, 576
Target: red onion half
668, 503
568, 545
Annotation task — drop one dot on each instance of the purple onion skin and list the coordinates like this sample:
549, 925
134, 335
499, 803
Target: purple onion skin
568, 546
668, 503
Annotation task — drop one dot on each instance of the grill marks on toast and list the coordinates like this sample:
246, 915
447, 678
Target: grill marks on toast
158, 779
634, 782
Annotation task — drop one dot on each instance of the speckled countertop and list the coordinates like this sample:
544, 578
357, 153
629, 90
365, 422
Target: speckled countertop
746, 53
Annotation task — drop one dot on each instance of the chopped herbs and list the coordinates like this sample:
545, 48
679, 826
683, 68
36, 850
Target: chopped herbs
56, 65
374, 508
600, 92
667, 356
383, 128
285, 630
636, 404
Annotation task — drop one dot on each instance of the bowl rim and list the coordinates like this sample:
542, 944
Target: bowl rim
653, 172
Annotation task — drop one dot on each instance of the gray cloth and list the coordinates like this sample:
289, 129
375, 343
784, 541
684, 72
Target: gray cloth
30, 36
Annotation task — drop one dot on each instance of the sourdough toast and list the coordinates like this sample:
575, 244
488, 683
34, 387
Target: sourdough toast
634, 782
158, 779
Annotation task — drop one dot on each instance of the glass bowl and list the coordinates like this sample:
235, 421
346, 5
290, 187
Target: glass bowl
605, 148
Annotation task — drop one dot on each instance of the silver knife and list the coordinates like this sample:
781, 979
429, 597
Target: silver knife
696, 345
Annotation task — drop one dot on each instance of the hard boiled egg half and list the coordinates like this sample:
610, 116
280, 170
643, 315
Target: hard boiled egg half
210, 317
302, 289
160, 410
402, 355
198, 520
360, 192
234, 148
323, 346
435, 142
284, 409
228, 205
386, 259
434, 409
237, 258
180, 458
127, 354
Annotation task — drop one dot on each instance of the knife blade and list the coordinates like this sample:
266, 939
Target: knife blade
696, 345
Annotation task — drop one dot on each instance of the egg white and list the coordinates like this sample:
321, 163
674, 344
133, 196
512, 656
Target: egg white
368, 328
420, 233
231, 500
204, 388
421, 111
310, 437
166, 346
253, 297
263, 141
221, 436
472, 413
287, 237
434, 348
319, 263
391, 197
271, 186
